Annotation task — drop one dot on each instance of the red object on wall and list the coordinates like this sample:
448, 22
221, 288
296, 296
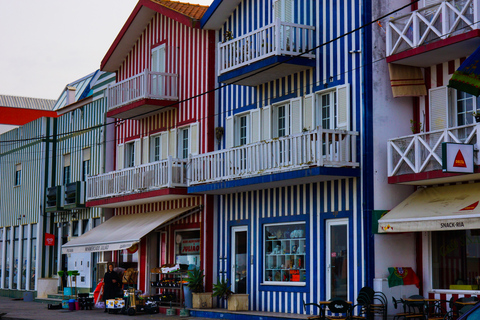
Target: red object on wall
49, 239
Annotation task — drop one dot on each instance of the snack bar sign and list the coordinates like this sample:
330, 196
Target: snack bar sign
457, 157
190, 246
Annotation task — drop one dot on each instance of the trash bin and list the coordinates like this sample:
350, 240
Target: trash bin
71, 304
28, 296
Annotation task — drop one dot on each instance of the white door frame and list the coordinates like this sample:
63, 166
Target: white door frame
236, 229
328, 276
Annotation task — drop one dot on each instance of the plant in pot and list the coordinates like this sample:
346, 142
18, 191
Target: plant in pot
222, 290
198, 299
235, 301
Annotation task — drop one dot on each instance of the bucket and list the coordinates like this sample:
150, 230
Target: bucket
77, 305
71, 304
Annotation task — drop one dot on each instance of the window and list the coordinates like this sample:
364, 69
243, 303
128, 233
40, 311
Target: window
281, 120
326, 114
18, 174
130, 155
155, 148
84, 226
33, 257
284, 253
456, 259
241, 130
158, 66
66, 169
187, 247
23, 257
183, 143
7, 256
75, 228
85, 163
1, 253
16, 241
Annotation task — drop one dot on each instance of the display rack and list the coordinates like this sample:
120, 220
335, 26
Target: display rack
165, 285
285, 260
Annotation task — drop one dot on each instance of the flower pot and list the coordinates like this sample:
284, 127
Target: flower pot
187, 293
202, 300
238, 302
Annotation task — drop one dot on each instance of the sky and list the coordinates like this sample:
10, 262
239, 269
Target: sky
46, 44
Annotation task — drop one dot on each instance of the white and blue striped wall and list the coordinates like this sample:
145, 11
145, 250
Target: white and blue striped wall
311, 203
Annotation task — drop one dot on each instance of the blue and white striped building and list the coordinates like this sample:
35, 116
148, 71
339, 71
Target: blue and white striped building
290, 174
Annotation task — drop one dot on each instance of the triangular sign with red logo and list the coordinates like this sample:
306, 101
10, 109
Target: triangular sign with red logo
459, 160
470, 207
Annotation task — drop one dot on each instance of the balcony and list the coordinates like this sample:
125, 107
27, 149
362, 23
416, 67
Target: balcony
141, 95
417, 159
335, 150
256, 51
138, 184
437, 33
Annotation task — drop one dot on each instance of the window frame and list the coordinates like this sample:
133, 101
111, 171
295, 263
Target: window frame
18, 175
453, 113
265, 281
181, 140
333, 108
288, 118
153, 147
237, 127
129, 151
67, 169
86, 163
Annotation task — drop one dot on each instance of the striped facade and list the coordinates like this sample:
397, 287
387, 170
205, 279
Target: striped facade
312, 203
188, 54
317, 204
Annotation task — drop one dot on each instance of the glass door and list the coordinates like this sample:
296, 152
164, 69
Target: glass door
337, 258
239, 259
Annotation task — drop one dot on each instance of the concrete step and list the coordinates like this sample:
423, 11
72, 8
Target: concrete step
48, 300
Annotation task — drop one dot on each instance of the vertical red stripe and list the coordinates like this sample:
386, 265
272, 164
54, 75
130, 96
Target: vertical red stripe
439, 75
451, 66
428, 84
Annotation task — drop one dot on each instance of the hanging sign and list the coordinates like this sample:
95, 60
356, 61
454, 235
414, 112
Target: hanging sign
190, 246
49, 239
457, 157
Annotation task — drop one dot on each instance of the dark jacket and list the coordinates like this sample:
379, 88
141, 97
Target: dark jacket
110, 289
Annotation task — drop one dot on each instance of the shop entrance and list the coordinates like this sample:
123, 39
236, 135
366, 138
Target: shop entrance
337, 258
239, 259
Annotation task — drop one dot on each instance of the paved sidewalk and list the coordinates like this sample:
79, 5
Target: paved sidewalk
18, 309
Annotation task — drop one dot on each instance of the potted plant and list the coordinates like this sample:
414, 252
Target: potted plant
235, 302
198, 299
476, 115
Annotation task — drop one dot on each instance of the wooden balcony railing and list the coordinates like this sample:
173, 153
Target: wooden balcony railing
333, 148
145, 85
151, 176
432, 23
422, 152
279, 38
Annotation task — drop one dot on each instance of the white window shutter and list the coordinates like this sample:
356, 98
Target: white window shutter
288, 7
229, 132
255, 125
138, 152
297, 115
309, 112
266, 122
194, 137
343, 107
120, 156
438, 108
146, 150
172, 145
164, 145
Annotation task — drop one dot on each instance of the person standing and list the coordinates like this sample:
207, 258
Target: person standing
111, 284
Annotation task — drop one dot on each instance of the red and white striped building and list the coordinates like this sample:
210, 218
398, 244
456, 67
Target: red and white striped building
164, 63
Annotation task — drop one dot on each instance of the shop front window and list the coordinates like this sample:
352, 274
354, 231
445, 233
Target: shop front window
16, 241
284, 253
1, 254
187, 247
8, 232
33, 258
23, 257
456, 259
128, 258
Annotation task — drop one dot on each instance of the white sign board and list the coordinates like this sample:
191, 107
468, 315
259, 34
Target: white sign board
457, 157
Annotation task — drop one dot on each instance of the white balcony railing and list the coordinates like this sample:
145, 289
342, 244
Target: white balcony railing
333, 148
145, 85
151, 176
432, 23
422, 152
279, 38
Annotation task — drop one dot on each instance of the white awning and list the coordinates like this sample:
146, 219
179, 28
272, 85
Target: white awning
121, 232
452, 207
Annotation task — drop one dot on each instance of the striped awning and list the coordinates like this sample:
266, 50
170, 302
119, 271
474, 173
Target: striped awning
467, 76
406, 81
122, 232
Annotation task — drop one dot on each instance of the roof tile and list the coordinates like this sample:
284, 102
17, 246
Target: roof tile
194, 11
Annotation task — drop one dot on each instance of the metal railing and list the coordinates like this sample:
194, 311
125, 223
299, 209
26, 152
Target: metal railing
322, 147
278, 38
432, 23
422, 152
145, 85
151, 176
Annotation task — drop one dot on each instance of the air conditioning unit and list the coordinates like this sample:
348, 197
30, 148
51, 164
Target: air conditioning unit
75, 195
54, 199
